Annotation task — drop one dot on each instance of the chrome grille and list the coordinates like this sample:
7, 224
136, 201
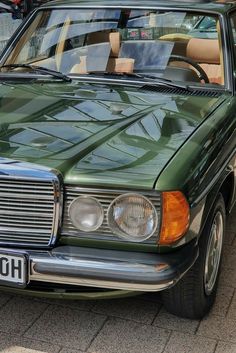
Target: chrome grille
27, 211
105, 197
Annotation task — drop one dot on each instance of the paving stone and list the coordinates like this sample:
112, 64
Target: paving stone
234, 241
231, 222
230, 228
18, 314
228, 278
86, 305
17, 344
67, 327
131, 308
67, 350
229, 257
229, 237
224, 347
217, 327
223, 299
171, 322
4, 298
120, 336
185, 343
75, 304
232, 309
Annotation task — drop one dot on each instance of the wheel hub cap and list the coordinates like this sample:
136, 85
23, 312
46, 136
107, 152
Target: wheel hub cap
213, 253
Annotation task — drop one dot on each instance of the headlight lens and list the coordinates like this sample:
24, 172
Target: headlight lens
86, 213
133, 217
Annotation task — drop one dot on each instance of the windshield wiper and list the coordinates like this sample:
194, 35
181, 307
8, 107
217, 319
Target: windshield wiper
166, 83
41, 69
151, 80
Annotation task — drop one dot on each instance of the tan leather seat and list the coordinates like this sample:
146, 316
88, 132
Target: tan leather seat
114, 64
206, 52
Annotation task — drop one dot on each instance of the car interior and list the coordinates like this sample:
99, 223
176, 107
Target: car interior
136, 47
205, 52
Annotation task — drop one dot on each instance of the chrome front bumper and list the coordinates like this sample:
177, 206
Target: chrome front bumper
136, 271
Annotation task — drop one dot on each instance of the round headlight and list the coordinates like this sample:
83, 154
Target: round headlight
133, 217
86, 213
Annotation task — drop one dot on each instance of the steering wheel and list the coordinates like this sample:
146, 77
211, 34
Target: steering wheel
202, 74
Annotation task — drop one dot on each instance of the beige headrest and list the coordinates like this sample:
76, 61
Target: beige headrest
104, 37
114, 38
204, 50
120, 65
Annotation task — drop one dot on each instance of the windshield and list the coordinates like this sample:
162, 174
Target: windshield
158, 43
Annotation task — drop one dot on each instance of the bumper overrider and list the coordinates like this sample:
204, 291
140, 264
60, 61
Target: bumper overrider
101, 268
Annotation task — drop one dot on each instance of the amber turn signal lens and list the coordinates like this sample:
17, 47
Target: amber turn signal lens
175, 217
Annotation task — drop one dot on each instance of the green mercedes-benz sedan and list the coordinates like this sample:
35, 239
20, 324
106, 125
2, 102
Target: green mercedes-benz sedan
118, 150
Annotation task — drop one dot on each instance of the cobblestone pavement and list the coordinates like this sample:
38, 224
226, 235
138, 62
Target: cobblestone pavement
134, 325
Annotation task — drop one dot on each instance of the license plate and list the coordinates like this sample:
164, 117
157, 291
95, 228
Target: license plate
13, 269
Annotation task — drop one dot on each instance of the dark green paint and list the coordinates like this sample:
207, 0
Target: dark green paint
98, 135
112, 136
106, 135
195, 166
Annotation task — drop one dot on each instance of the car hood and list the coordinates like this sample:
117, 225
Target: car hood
96, 134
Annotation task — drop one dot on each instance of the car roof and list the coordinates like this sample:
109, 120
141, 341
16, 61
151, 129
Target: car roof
220, 6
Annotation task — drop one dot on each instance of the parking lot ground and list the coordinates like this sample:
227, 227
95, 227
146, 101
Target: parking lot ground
133, 325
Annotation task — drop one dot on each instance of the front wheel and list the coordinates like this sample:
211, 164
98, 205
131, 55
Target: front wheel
193, 296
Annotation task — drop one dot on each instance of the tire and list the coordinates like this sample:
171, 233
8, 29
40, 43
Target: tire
193, 296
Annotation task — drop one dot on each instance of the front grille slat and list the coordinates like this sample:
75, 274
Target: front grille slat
31, 196
25, 220
26, 188
105, 197
24, 230
27, 211
5, 202
22, 213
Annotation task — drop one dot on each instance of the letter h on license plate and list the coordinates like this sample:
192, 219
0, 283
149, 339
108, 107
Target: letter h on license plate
13, 269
